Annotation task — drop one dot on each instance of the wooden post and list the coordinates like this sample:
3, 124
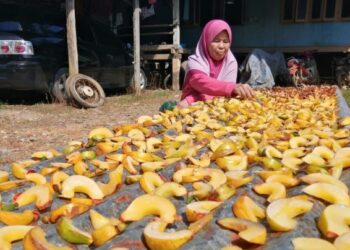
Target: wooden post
136, 30
72, 38
176, 60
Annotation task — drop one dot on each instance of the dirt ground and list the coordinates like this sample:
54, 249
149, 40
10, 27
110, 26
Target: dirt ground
25, 129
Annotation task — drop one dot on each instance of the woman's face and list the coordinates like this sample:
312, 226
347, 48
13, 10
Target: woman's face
219, 46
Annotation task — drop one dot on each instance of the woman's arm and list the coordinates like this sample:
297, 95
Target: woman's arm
205, 84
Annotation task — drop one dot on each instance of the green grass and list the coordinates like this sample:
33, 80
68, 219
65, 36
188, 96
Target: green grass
346, 94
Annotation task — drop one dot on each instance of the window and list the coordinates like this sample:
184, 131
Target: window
301, 10
345, 13
330, 9
288, 10
189, 12
315, 10
197, 12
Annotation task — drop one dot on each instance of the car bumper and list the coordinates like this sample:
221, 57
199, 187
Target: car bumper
22, 75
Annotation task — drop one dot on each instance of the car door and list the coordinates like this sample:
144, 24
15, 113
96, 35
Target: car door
115, 67
89, 61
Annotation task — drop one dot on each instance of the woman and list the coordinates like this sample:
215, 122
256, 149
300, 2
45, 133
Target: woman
212, 70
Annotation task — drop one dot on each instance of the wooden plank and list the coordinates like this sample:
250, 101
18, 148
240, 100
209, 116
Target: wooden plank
72, 38
160, 47
176, 66
157, 57
176, 22
136, 32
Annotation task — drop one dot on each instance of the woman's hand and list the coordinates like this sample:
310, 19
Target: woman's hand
243, 91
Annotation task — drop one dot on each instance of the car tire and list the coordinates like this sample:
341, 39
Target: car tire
143, 81
84, 91
58, 90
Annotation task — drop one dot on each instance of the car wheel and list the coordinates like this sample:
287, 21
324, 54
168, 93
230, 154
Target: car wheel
84, 91
58, 90
143, 81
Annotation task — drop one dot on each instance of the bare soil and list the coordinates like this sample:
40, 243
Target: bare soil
25, 129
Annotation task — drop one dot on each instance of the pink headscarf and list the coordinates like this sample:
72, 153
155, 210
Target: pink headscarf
224, 70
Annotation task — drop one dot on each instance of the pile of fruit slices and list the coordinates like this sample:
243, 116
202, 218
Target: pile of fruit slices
225, 173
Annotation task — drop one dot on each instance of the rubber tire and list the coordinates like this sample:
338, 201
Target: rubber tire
58, 90
80, 101
168, 82
142, 86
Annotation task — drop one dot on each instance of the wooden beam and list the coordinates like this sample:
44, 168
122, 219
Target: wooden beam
72, 38
136, 31
176, 22
176, 61
157, 57
161, 47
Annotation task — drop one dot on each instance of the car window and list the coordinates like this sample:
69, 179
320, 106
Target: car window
106, 37
45, 28
84, 32
10, 26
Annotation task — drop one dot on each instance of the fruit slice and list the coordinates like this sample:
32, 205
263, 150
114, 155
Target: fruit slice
216, 176
246, 208
18, 170
81, 168
98, 220
56, 179
10, 184
72, 234
83, 184
222, 193
104, 165
197, 210
157, 239
147, 204
323, 178
303, 243
102, 235
42, 155
150, 181
288, 181
342, 242
236, 178
4, 176
12, 218
233, 162
69, 210
275, 190
36, 178
170, 189
100, 133
227, 147
198, 225
328, 192
9, 234
334, 220
115, 179
250, 231
41, 194
35, 240
202, 190
280, 213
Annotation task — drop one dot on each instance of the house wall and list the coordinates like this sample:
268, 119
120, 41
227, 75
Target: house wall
263, 28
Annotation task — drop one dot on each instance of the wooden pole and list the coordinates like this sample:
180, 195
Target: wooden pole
136, 30
176, 60
72, 38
